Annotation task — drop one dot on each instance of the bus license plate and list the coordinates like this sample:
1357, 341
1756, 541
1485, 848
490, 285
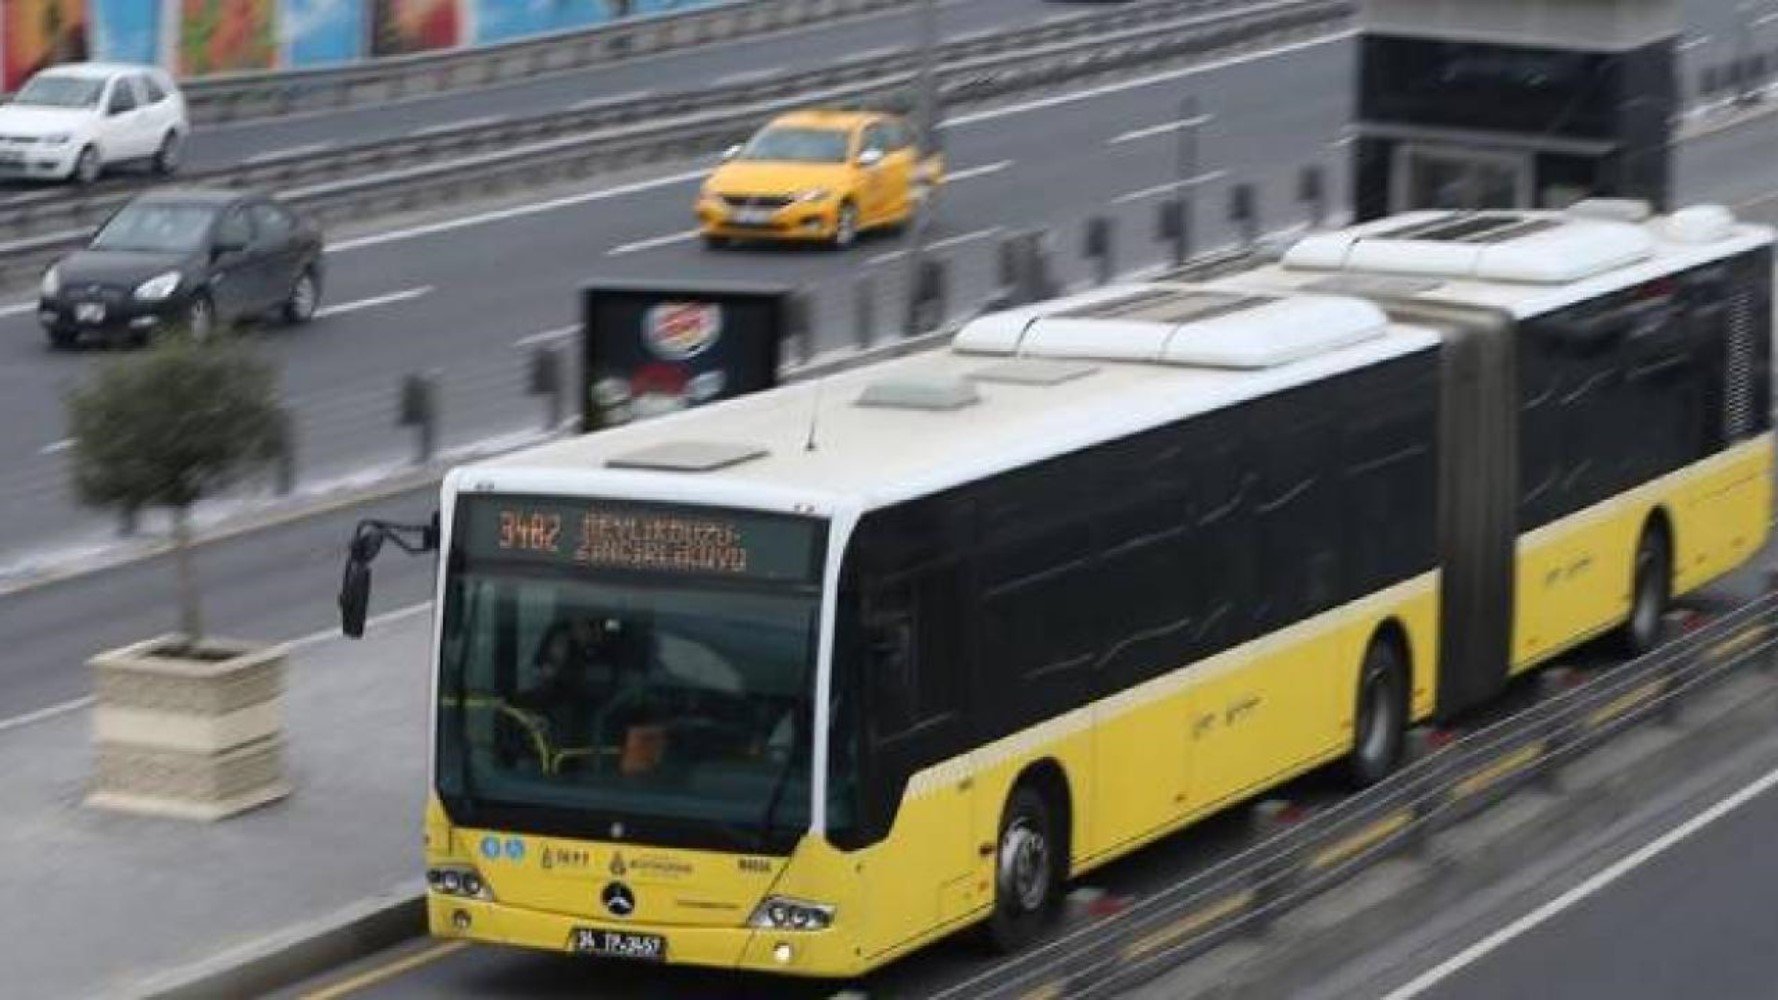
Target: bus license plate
618, 944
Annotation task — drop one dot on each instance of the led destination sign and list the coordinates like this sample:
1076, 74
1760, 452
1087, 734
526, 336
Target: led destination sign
598, 534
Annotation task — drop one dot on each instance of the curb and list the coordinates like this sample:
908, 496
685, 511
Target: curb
298, 953
1405, 891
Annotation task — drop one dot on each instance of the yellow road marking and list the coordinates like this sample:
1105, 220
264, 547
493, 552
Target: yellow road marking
1729, 647
1188, 924
1624, 703
1364, 839
383, 973
1048, 991
1491, 774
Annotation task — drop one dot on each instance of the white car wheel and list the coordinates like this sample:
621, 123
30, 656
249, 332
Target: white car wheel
88, 166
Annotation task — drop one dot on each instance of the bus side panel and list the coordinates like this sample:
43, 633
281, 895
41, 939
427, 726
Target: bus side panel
1722, 514
919, 876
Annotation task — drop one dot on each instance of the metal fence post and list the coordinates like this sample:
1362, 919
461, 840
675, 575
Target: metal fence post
546, 381
1101, 248
1172, 225
864, 303
419, 410
284, 472
1243, 213
1311, 190
926, 300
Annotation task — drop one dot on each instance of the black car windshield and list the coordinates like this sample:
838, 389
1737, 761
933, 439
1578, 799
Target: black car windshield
52, 91
163, 227
797, 145
671, 702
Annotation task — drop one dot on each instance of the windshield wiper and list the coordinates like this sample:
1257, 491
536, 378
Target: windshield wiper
804, 707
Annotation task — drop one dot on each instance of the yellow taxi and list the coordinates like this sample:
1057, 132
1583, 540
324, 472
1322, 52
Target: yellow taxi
821, 175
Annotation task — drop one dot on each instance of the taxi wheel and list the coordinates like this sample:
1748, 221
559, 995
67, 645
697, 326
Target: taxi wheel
845, 226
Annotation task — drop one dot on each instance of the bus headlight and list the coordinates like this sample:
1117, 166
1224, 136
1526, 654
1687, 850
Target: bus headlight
458, 880
781, 913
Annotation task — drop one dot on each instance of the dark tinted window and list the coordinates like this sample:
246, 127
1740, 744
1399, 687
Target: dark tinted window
875, 137
235, 229
123, 96
273, 224
151, 87
156, 227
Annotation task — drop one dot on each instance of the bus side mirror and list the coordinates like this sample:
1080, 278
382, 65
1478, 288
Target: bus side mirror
354, 598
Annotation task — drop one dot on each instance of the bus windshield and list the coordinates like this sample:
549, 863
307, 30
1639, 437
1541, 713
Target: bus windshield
665, 705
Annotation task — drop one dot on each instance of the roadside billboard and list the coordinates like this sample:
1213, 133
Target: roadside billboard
40, 33
126, 30
503, 20
319, 32
651, 348
220, 36
399, 26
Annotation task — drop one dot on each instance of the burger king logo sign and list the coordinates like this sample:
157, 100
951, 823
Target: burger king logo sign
676, 331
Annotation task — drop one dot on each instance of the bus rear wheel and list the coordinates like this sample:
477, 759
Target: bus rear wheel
1652, 589
1026, 882
1378, 734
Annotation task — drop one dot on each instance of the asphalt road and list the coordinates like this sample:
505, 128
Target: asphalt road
228, 145
1697, 920
462, 301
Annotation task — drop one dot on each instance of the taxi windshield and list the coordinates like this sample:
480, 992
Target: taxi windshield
797, 145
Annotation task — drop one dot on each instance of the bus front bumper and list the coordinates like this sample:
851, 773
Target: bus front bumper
822, 954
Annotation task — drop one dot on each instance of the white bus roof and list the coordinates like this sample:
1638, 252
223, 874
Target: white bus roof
1524, 263
1014, 388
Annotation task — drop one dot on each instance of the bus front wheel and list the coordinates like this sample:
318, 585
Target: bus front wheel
1026, 883
1652, 589
1378, 733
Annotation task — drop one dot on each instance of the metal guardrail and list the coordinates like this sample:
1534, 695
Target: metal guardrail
237, 96
1242, 895
406, 173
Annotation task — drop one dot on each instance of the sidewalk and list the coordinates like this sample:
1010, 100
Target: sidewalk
99, 904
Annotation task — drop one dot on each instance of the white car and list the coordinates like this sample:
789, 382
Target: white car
75, 120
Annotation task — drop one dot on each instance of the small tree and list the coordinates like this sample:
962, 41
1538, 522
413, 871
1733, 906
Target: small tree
168, 428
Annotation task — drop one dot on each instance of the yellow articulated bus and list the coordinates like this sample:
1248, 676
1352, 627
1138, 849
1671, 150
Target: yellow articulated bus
802, 681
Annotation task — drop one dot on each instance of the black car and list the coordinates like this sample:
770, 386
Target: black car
184, 258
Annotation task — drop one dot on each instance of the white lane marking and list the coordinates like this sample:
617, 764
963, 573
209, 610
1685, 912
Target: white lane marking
18, 308
516, 211
599, 102
1150, 192
453, 126
749, 75
375, 621
653, 243
300, 642
56, 446
278, 154
1163, 128
1076, 96
1468, 956
545, 336
1692, 43
876, 53
1765, 19
990, 114
20, 721
374, 301
944, 244
970, 173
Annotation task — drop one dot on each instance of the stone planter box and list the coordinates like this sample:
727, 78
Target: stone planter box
188, 736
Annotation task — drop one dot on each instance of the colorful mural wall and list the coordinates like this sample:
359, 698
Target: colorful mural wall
41, 32
219, 36
201, 37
